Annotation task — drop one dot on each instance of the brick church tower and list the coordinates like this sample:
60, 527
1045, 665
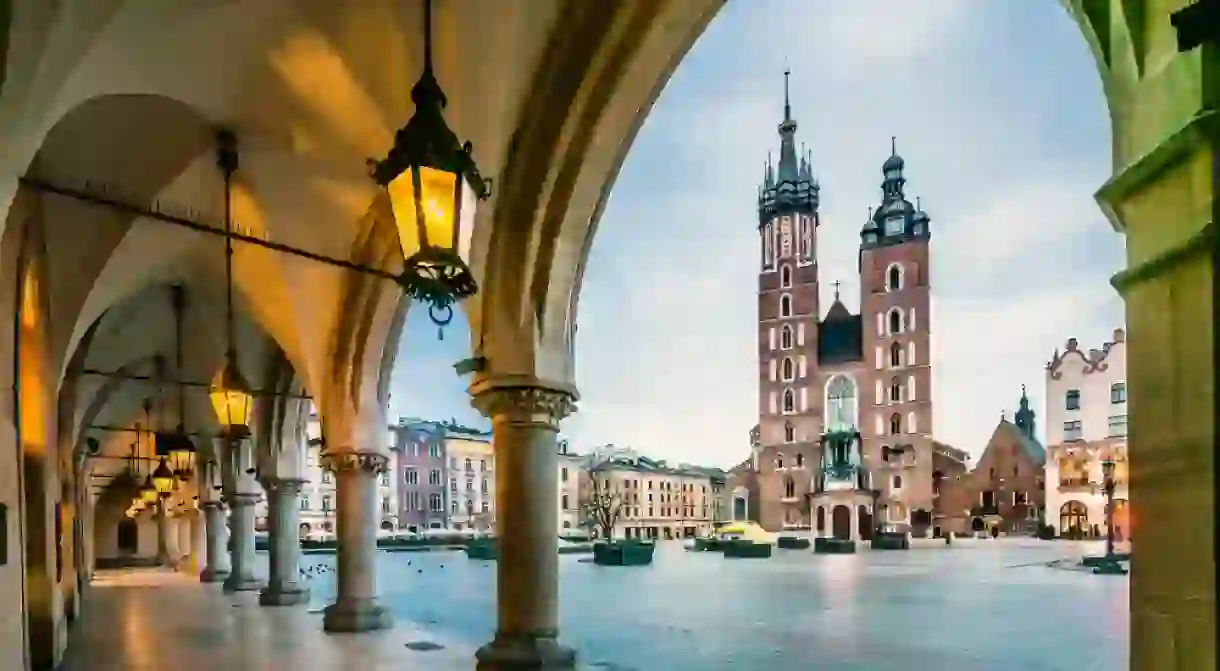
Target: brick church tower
788, 313
895, 303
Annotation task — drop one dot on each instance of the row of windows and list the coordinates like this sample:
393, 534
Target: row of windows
895, 322
1118, 394
898, 356
453, 485
1117, 428
893, 277
469, 465
687, 511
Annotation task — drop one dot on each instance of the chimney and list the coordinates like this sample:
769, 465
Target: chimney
1119, 336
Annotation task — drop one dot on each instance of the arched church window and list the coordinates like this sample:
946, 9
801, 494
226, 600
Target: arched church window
788, 369
789, 486
895, 424
895, 355
785, 277
895, 321
785, 337
789, 433
893, 280
785, 305
895, 391
789, 401
840, 404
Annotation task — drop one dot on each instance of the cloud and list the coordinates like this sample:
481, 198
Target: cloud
1005, 157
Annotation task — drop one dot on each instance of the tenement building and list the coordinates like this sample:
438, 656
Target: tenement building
421, 476
845, 398
1004, 491
657, 500
1086, 407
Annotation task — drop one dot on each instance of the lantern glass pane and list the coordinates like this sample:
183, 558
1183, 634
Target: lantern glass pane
465, 231
149, 495
438, 200
232, 407
402, 202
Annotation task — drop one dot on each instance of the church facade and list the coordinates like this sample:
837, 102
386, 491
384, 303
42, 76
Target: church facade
844, 428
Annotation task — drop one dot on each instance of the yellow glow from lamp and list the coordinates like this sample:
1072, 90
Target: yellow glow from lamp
163, 479
426, 203
232, 400
148, 492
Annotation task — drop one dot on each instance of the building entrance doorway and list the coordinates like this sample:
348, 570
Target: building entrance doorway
129, 536
1073, 520
840, 522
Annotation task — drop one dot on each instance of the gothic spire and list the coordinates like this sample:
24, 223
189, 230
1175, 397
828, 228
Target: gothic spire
788, 169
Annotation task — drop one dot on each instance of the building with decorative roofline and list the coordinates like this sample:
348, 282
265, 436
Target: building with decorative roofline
660, 501
1086, 409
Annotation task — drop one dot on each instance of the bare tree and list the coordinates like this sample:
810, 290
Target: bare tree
600, 506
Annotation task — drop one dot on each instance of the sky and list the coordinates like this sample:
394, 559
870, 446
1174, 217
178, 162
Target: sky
998, 110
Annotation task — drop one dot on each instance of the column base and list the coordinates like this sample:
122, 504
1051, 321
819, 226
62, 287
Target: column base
210, 574
239, 583
525, 652
283, 595
354, 616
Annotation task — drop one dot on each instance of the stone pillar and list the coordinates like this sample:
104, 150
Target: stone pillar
241, 549
184, 548
355, 608
164, 530
283, 515
525, 415
215, 540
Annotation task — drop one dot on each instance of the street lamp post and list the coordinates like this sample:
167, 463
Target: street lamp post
1109, 564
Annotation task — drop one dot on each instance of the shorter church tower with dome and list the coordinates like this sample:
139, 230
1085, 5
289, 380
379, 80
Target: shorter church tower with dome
844, 436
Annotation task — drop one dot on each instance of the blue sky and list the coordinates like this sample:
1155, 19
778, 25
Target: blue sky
1000, 116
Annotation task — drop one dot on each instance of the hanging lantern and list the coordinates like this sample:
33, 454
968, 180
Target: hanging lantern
178, 448
232, 400
148, 491
163, 479
433, 184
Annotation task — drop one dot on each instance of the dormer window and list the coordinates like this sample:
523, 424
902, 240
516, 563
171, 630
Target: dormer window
894, 225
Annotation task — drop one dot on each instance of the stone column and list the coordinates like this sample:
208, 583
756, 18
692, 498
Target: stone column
283, 515
525, 415
164, 530
241, 549
215, 540
355, 608
184, 549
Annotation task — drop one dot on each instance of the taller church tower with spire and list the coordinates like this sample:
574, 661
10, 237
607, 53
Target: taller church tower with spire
845, 412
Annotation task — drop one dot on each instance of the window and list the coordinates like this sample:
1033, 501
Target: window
779, 460
1071, 400
789, 401
325, 477
1118, 426
895, 355
785, 277
470, 484
565, 502
483, 485
885, 452
895, 391
893, 280
385, 506
411, 477
304, 503
385, 478
326, 503
895, 424
840, 409
563, 474
787, 370
483, 462
1072, 430
789, 433
789, 487
895, 321
785, 305
785, 337
453, 485
453, 507
1118, 392
434, 503
469, 506
434, 476
453, 463
800, 460
434, 451
485, 507
469, 465
897, 482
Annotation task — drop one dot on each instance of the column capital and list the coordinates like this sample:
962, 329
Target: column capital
344, 461
284, 485
241, 499
524, 398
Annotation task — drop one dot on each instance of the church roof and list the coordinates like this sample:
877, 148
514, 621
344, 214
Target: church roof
840, 336
1028, 444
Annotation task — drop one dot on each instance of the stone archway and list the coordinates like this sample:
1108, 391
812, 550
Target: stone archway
864, 523
840, 522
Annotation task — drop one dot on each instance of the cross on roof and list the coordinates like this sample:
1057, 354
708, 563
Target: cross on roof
836, 286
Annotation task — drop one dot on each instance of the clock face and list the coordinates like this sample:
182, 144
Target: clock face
893, 226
